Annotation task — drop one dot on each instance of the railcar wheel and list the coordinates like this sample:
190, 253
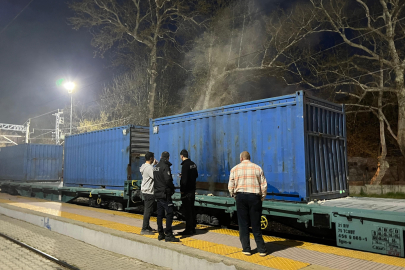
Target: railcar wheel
264, 222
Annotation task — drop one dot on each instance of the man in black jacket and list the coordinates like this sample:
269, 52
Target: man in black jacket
188, 180
163, 191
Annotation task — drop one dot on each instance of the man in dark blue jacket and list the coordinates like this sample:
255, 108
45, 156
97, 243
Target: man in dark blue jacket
163, 191
188, 180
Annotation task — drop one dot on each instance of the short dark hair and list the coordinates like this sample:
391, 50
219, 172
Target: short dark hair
149, 155
165, 155
184, 153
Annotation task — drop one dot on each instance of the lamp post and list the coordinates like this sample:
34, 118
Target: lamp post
70, 86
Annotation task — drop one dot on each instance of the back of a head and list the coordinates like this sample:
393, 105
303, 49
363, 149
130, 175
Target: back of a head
165, 155
184, 153
149, 156
245, 155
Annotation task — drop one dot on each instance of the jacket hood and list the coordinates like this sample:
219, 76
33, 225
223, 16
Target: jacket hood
165, 161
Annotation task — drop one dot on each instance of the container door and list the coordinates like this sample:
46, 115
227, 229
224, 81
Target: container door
326, 153
139, 147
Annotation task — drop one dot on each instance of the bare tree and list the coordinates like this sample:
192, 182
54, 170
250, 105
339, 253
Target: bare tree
372, 34
367, 66
123, 102
239, 46
125, 23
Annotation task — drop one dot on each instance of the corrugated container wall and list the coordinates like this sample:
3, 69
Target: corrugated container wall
31, 162
105, 158
298, 140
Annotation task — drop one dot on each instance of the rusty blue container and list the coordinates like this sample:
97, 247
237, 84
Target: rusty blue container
31, 162
298, 140
105, 158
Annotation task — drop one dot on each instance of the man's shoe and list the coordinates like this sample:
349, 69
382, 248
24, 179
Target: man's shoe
161, 236
247, 253
147, 232
171, 238
151, 229
263, 254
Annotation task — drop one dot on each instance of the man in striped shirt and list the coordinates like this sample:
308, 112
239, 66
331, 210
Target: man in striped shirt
248, 186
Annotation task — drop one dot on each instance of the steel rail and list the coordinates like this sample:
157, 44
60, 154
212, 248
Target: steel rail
43, 254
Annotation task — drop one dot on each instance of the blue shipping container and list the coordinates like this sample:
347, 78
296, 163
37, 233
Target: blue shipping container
298, 140
105, 158
31, 162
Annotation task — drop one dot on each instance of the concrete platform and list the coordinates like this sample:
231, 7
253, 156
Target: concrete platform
211, 248
74, 252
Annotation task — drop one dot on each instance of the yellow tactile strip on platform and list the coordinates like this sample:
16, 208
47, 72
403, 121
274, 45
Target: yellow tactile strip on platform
280, 241
221, 250
286, 264
281, 263
270, 261
255, 258
389, 260
200, 244
378, 258
104, 211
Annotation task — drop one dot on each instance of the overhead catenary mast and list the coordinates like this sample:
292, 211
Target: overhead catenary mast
20, 128
60, 120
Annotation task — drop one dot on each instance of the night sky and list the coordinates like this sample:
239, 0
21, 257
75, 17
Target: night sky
38, 48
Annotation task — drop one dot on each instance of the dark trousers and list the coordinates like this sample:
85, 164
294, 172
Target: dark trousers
149, 200
162, 206
249, 208
187, 202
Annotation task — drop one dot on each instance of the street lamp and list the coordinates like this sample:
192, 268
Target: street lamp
70, 86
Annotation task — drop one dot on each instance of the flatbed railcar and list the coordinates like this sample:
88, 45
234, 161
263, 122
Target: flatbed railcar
300, 141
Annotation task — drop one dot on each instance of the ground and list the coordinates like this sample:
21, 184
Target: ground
74, 252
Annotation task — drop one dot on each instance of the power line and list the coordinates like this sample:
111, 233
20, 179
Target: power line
4, 29
43, 114
42, 134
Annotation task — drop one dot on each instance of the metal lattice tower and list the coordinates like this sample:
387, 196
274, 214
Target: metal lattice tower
12, 127
21, 128
60, 120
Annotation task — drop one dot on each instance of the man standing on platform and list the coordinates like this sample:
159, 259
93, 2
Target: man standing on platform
248, 186
163, 190
188, 180
147, 191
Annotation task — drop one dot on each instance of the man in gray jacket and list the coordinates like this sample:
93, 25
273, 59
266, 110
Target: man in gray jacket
147, 191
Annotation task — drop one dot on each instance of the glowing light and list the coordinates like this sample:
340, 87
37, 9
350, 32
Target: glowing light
70, 86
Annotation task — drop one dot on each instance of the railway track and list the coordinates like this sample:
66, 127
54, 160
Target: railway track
43, 254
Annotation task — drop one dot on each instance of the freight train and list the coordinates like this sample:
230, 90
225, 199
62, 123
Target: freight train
298, 140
